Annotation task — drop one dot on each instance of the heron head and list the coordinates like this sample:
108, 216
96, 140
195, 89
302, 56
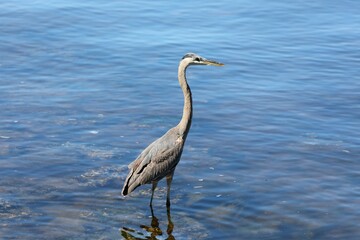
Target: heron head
195, 59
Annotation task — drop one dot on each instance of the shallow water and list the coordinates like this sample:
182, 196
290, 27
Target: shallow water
274, 146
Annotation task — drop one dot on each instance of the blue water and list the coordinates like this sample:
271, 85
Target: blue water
273, 152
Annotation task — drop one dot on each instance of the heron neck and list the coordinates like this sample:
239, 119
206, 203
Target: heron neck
185, 123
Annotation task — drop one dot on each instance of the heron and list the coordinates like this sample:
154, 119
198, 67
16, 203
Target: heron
161, 157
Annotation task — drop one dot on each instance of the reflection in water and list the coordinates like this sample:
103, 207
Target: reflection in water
154, 229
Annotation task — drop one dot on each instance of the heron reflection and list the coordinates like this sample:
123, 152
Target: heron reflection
153, 229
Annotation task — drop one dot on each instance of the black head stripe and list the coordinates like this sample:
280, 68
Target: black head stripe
189, 55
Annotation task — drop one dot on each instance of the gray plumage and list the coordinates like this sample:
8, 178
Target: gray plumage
160, 158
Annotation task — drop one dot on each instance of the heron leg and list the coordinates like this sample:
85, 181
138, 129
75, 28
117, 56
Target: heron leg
169, 180
154, 184
170, 227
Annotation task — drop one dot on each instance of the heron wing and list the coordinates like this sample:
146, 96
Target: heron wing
156, 161
160, 156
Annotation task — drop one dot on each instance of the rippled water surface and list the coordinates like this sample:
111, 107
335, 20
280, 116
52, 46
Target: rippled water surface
273, 152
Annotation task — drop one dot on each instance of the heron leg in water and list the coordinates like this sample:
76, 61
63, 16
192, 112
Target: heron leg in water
170, 227
169, 180
154, 184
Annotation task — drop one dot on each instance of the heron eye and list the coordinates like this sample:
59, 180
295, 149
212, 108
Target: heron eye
197, 59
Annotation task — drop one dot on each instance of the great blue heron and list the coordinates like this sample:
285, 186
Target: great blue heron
160, 158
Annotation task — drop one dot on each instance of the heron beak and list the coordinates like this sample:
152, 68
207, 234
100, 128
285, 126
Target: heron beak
213, 63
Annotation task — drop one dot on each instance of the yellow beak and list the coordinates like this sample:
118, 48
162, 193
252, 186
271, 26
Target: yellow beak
213, 63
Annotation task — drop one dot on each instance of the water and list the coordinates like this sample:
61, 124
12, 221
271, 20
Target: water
274, 146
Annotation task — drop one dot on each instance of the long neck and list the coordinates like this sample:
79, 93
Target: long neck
185, 123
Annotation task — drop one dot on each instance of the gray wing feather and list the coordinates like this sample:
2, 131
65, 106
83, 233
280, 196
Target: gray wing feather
155, 162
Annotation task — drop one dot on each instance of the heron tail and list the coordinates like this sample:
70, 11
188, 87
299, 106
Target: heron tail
129, 184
